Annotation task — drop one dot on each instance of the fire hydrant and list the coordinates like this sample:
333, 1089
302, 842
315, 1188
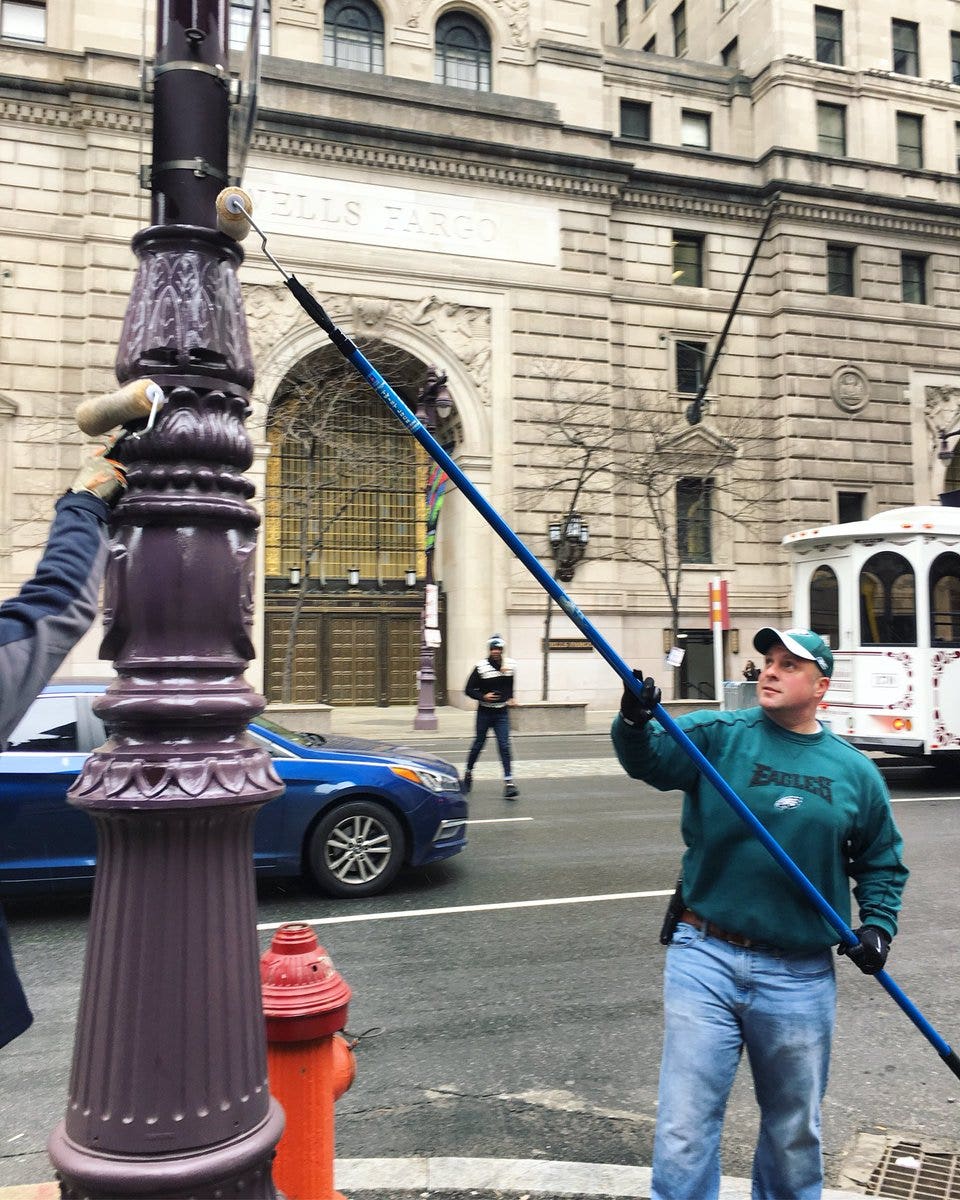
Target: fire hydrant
309, 1063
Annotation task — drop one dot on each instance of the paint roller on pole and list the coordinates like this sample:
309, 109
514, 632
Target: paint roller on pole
233, 204
139, 399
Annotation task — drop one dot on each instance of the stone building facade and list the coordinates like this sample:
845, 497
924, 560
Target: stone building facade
554, 202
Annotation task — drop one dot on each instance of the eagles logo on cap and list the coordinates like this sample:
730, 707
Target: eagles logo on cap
804, 643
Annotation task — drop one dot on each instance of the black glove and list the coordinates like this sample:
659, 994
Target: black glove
637, 711
871, 953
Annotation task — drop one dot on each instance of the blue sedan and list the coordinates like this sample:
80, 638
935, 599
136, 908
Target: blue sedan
353, 813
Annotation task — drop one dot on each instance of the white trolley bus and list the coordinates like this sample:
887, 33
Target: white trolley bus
885, 593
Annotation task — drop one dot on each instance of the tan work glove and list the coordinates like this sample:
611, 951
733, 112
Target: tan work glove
100, 475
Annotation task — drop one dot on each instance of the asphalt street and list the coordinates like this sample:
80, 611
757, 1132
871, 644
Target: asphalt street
507, 1002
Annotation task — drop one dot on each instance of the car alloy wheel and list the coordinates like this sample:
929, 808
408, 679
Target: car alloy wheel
357, 849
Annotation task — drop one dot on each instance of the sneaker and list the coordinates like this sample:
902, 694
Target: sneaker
510, 791
467, 782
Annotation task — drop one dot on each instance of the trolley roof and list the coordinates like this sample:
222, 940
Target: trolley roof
895, 524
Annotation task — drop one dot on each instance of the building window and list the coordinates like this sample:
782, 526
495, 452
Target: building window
695, 129
344, 486
828, 35
651, 46
22, 20
851, 506
680, 30
635, 120
463, 52
832, 130
909, 140
841, 261
956, 142
955, 57
694, 503
730, 54
647, 5
623, 21
906, 48
913, 278
688, 259
691, 365
353, 35
241, 14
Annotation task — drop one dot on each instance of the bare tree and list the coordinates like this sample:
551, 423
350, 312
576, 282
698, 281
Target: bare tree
657, 488
572, 451
680, 489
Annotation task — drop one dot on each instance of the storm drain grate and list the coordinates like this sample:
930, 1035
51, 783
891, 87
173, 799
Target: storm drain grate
911, 1171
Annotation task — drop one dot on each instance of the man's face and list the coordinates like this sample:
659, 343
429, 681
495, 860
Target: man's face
496, 656
789, 688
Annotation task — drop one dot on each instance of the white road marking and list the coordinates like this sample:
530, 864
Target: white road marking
496, 820
919, 799
469, 908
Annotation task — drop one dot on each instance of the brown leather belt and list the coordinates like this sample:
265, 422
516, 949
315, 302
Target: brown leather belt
723, 935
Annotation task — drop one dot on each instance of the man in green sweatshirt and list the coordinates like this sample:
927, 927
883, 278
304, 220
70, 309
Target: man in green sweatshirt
749, 966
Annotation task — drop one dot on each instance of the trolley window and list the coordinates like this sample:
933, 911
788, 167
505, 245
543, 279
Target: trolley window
888, 601
825, 605
945, 600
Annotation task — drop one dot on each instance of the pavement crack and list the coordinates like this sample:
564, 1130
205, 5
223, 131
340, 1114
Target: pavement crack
553, 1099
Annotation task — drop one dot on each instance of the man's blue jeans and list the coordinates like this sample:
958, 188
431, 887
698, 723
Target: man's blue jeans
718, 1000
497, 719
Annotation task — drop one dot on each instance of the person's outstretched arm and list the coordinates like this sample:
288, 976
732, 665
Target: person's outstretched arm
42, 623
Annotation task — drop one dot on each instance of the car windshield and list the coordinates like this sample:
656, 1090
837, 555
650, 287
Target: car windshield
310, 740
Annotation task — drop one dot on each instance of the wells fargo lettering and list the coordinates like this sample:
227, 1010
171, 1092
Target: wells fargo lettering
337, 209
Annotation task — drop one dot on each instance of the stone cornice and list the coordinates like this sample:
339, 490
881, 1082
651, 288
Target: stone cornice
690, 204
437, 166
604, 180
77, 106
36, 112
812, 212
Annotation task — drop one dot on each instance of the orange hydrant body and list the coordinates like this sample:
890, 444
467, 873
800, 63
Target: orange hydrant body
310, 1065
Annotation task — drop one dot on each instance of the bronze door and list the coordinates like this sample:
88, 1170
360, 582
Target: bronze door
368, 654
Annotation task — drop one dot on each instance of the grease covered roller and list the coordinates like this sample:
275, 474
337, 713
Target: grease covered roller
134, 401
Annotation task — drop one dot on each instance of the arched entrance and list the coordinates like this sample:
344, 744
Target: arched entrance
344, 533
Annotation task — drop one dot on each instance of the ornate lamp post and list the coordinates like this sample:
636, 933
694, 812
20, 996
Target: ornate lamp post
168, 1092
568, 544
434, 403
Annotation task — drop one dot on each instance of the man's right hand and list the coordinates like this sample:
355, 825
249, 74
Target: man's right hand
100, 475
638, 710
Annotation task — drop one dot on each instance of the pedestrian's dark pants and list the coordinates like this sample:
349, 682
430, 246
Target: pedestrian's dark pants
15, 1015
497, 719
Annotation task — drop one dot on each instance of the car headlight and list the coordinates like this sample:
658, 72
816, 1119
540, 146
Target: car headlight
434, 781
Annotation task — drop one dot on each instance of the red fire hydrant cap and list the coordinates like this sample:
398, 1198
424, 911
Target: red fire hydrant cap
303, 995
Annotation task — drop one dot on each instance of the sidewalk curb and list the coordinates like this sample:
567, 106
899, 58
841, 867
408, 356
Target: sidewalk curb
550, 1177
547, 1177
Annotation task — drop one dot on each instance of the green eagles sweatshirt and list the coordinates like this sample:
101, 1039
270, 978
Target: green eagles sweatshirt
822, 800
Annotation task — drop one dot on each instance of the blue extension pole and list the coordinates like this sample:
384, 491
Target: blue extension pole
409, 419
